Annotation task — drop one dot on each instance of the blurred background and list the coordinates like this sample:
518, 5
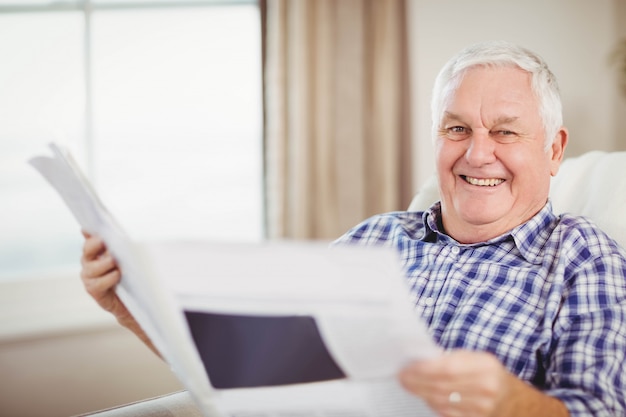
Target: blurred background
232, 121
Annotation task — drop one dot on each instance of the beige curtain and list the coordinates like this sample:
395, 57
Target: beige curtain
337, 137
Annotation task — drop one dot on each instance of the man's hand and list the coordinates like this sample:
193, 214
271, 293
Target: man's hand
466, 383
461, 383
100, 274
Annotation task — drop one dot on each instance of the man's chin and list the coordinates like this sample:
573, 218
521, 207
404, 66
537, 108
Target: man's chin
481, 209
479, 217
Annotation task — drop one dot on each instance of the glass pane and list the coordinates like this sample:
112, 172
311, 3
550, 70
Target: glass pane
177, 117
25, 3
127, 3
42, 100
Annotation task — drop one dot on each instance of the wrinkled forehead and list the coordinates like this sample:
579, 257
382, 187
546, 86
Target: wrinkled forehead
450, 89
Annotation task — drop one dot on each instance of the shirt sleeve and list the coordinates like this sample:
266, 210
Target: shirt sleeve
588, 365
373, 231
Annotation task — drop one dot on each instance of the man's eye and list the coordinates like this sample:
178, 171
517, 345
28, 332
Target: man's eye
455, 132
504, 135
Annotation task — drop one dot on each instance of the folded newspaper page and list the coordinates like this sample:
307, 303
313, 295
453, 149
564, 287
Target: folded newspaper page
269, 329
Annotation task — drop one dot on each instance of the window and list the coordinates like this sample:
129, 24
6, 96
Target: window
41, 80
160, 103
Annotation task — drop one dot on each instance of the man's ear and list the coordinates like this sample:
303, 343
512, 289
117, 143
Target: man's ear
557, 150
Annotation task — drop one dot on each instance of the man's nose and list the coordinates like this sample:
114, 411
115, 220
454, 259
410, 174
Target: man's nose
481, 150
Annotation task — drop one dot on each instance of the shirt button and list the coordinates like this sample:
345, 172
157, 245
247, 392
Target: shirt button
455, 250
429, 301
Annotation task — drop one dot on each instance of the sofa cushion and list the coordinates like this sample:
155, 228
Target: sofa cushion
594, 185
177, 404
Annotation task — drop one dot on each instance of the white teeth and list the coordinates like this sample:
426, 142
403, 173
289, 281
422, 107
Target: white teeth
484, 182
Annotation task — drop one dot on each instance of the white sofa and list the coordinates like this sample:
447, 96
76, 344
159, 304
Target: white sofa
177, 404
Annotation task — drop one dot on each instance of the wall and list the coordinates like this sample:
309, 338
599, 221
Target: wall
64, 374
61, 355
619, 100
575, 37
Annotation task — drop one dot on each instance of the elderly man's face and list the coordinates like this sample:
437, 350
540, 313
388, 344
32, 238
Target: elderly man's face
494, 172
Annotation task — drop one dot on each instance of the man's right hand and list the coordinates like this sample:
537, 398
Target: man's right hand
100, 274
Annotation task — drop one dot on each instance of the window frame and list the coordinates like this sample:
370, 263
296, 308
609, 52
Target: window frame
30, 306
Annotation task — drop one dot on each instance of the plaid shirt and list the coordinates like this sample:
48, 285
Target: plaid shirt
547, 298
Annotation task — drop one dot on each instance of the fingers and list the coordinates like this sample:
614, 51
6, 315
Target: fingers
466, 382
92, 248
101, 289
96, 260
99, 272
431, 381
98, 265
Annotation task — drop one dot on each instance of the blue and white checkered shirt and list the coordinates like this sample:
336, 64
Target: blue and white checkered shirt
547, 298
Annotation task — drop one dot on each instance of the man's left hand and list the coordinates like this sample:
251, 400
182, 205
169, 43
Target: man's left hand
459, 383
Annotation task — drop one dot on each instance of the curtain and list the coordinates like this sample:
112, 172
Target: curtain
337, 133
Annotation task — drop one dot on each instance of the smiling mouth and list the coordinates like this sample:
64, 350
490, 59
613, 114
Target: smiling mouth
483, 182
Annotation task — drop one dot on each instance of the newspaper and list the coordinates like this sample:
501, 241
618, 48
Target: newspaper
269, 329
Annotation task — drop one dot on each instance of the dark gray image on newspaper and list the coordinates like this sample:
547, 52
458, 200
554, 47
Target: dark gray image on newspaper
251, 351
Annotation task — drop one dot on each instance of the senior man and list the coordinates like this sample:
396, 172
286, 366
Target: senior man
530, 306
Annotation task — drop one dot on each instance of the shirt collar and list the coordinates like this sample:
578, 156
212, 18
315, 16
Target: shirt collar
433, 227
532, 236
529, 237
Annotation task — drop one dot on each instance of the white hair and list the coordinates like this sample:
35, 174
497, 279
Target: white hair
501, 54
